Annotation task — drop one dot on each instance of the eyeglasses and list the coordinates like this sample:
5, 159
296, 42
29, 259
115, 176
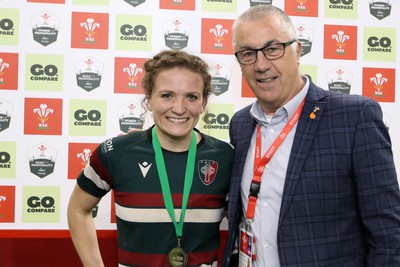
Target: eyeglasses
270, 52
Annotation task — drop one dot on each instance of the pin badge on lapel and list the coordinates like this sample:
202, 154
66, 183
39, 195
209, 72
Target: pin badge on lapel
313, 113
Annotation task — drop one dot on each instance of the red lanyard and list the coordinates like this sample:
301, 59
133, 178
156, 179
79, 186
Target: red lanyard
259, 163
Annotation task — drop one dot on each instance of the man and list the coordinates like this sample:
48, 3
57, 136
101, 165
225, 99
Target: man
313, 185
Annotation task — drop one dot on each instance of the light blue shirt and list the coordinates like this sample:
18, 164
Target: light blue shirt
266, 217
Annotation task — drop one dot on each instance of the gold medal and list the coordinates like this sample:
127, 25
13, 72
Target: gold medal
177, 257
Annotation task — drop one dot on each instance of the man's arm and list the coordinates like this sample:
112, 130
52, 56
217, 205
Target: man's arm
378, 188
82, 227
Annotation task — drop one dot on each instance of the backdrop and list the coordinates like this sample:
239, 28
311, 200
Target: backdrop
70, 78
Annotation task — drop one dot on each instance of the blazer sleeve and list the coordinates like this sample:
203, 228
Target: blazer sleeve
377, 187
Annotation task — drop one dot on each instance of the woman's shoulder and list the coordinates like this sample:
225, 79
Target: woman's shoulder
216, 143
124, 140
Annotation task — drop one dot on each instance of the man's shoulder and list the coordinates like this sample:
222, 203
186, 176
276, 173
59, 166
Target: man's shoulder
349, 100
338, 98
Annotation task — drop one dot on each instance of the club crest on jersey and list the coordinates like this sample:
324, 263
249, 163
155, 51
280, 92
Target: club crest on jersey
207, 170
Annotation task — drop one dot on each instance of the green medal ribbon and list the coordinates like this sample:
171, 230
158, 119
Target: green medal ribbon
166, 191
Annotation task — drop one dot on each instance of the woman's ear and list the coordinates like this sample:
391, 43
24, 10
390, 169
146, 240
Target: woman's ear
148, 105
203, 107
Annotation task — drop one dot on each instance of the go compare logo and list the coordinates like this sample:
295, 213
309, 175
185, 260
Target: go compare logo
379, 44
88, 117
215, 121
133, 32
7, 160
41, 204
44, 72
9, 26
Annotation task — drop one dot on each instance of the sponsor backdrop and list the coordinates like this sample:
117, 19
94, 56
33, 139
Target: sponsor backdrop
71, 70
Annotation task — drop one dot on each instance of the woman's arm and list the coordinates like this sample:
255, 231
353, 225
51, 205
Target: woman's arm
82, 227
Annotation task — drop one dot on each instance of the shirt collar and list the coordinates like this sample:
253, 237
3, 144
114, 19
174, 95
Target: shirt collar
286, 110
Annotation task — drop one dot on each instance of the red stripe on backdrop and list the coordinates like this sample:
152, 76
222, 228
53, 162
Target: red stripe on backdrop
49, 248
50, 234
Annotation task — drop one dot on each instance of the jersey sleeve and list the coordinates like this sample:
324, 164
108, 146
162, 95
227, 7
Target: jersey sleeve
95, 179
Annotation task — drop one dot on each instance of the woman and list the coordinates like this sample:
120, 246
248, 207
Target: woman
170, 182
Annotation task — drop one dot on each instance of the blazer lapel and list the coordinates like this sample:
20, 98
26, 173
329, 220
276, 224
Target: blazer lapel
244, 134
304, 136
242, 143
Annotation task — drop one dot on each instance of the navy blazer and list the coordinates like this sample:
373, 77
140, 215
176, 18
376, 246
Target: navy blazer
341, 201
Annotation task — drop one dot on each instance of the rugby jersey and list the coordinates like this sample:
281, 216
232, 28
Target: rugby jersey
126, 164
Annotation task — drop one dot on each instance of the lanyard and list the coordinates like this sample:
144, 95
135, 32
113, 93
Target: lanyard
166, 191
259, 163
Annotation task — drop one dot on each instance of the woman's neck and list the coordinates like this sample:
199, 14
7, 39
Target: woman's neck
177, 144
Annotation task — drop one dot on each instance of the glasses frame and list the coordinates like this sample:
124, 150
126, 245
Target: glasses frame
285, 44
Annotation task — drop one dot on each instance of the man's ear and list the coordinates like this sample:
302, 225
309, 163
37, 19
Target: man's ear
298, 51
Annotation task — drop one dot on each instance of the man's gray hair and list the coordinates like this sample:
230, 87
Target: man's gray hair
261, 11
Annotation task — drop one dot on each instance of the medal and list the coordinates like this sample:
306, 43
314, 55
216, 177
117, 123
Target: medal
177, 257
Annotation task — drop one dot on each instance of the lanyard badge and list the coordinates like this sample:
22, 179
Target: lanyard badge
246, 246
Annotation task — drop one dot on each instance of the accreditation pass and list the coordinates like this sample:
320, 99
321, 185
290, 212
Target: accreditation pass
246, 245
